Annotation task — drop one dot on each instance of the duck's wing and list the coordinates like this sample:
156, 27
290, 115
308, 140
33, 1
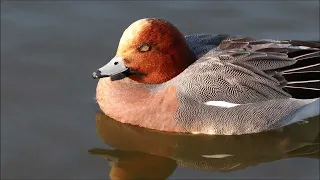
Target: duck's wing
301, 78
249, 70
234, 77
304, 76
221, 97
239, 87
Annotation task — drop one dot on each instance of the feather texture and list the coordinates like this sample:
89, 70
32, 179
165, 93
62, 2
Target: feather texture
250, 73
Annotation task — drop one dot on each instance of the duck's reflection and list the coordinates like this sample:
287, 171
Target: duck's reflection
147, 154
136, 165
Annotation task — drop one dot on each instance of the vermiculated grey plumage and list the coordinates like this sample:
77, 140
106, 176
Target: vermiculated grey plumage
243, 71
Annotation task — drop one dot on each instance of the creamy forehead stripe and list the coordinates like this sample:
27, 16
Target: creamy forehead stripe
133, 30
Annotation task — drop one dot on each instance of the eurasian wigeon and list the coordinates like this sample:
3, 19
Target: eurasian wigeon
163, 80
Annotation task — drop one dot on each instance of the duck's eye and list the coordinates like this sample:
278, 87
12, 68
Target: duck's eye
144, 47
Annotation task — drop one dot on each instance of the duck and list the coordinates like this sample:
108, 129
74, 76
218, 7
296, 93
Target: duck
220, 84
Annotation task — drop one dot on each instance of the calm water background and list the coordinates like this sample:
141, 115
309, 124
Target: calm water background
49, 50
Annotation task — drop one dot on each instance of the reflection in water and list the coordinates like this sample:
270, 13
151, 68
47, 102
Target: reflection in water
136, 165
144, 153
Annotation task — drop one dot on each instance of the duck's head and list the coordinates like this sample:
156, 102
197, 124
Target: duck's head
150, 51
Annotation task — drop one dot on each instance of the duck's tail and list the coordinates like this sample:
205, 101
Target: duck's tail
303, 77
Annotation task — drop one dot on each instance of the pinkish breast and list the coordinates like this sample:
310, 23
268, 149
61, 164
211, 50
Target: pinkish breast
133, 103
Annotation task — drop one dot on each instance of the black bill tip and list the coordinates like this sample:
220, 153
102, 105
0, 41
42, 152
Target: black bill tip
97, 74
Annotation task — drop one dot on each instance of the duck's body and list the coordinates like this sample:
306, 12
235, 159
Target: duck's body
228, 85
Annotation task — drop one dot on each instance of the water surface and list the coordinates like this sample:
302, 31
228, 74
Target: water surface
49, 50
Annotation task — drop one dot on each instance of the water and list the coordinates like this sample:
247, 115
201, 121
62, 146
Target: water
49, 50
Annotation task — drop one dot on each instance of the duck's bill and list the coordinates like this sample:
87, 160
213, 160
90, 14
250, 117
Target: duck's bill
115, 69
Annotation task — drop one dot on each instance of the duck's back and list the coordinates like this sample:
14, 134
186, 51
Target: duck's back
294, 64
237, 86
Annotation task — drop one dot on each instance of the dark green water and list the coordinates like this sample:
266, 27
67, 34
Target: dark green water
49, 50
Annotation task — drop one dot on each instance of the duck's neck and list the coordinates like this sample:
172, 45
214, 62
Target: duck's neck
184, 58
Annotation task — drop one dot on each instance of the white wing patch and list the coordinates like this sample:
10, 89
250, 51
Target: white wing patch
303, 47
221, 104
217, 156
